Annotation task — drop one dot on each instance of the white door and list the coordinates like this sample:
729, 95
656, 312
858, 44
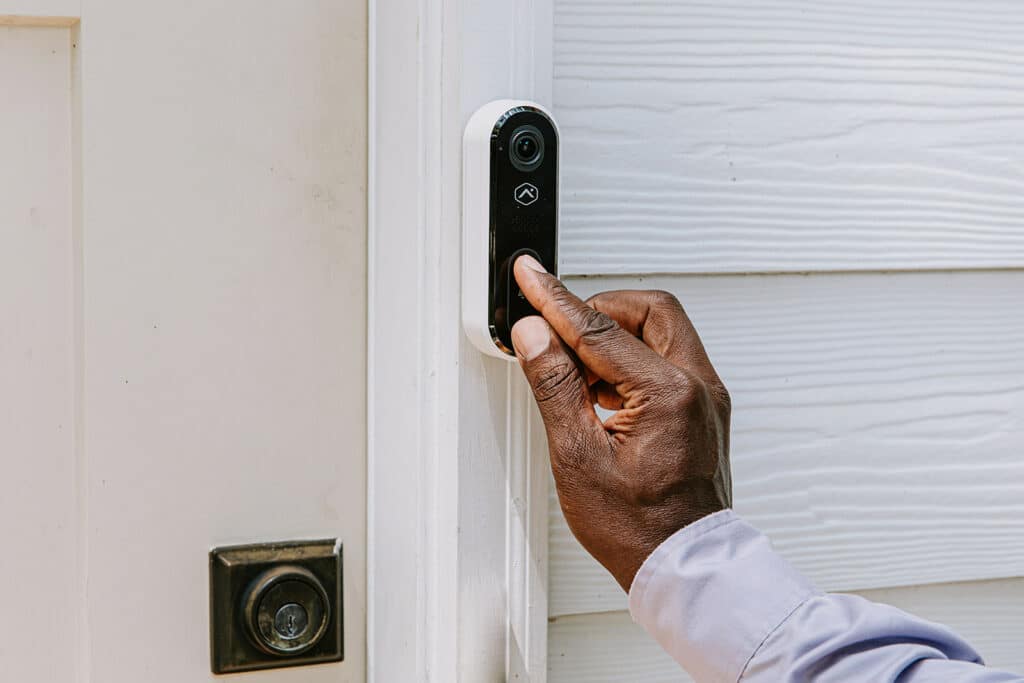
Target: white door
182, 320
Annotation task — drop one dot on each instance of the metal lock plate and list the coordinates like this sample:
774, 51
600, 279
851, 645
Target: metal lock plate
274, 605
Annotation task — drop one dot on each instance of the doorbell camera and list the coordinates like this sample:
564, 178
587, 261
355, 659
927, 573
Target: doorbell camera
509, 208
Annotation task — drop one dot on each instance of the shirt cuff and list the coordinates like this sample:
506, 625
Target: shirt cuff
712, 593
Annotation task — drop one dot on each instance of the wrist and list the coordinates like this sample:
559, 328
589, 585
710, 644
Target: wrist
645, 546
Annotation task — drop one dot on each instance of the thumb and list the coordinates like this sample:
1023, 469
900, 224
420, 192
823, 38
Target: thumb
559, 386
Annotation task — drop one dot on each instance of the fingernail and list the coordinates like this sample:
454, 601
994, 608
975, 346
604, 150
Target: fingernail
531, 263
531, 337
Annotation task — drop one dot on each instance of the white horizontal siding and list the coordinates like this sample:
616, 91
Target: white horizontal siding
754, 136
608, 647
878, 427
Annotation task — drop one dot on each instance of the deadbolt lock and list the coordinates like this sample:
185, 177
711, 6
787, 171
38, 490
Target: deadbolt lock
275, 605
286, 610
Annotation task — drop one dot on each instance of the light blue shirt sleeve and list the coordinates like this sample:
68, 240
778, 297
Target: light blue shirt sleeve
719, 599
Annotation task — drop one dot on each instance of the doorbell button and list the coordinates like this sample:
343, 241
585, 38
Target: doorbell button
516, 304
510, 207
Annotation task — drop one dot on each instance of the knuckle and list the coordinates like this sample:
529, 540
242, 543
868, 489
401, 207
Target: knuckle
663, 299
607, 296
557, 290
593, 326
666, 307
686, 392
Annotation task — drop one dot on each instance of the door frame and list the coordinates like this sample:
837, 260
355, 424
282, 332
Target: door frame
457, 463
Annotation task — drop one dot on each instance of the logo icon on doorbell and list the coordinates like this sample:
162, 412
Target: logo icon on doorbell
527, 194
510, 152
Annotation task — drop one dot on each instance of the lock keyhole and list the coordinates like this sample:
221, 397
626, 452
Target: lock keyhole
286, 611
291, 621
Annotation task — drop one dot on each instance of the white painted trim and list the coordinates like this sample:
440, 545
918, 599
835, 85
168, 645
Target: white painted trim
412, 365
457, 484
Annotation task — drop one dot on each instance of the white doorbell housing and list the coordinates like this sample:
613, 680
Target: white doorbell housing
509, 207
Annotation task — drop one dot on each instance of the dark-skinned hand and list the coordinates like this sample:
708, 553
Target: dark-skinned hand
661, 461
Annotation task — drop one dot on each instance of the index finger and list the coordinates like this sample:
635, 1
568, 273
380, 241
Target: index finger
605, 348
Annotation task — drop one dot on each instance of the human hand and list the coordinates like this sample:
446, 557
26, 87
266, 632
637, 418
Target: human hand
662, 460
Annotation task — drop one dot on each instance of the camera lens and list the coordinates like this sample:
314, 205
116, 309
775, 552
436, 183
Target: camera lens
526, 149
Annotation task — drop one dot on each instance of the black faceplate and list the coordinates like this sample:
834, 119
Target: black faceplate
524, 218
233, 570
